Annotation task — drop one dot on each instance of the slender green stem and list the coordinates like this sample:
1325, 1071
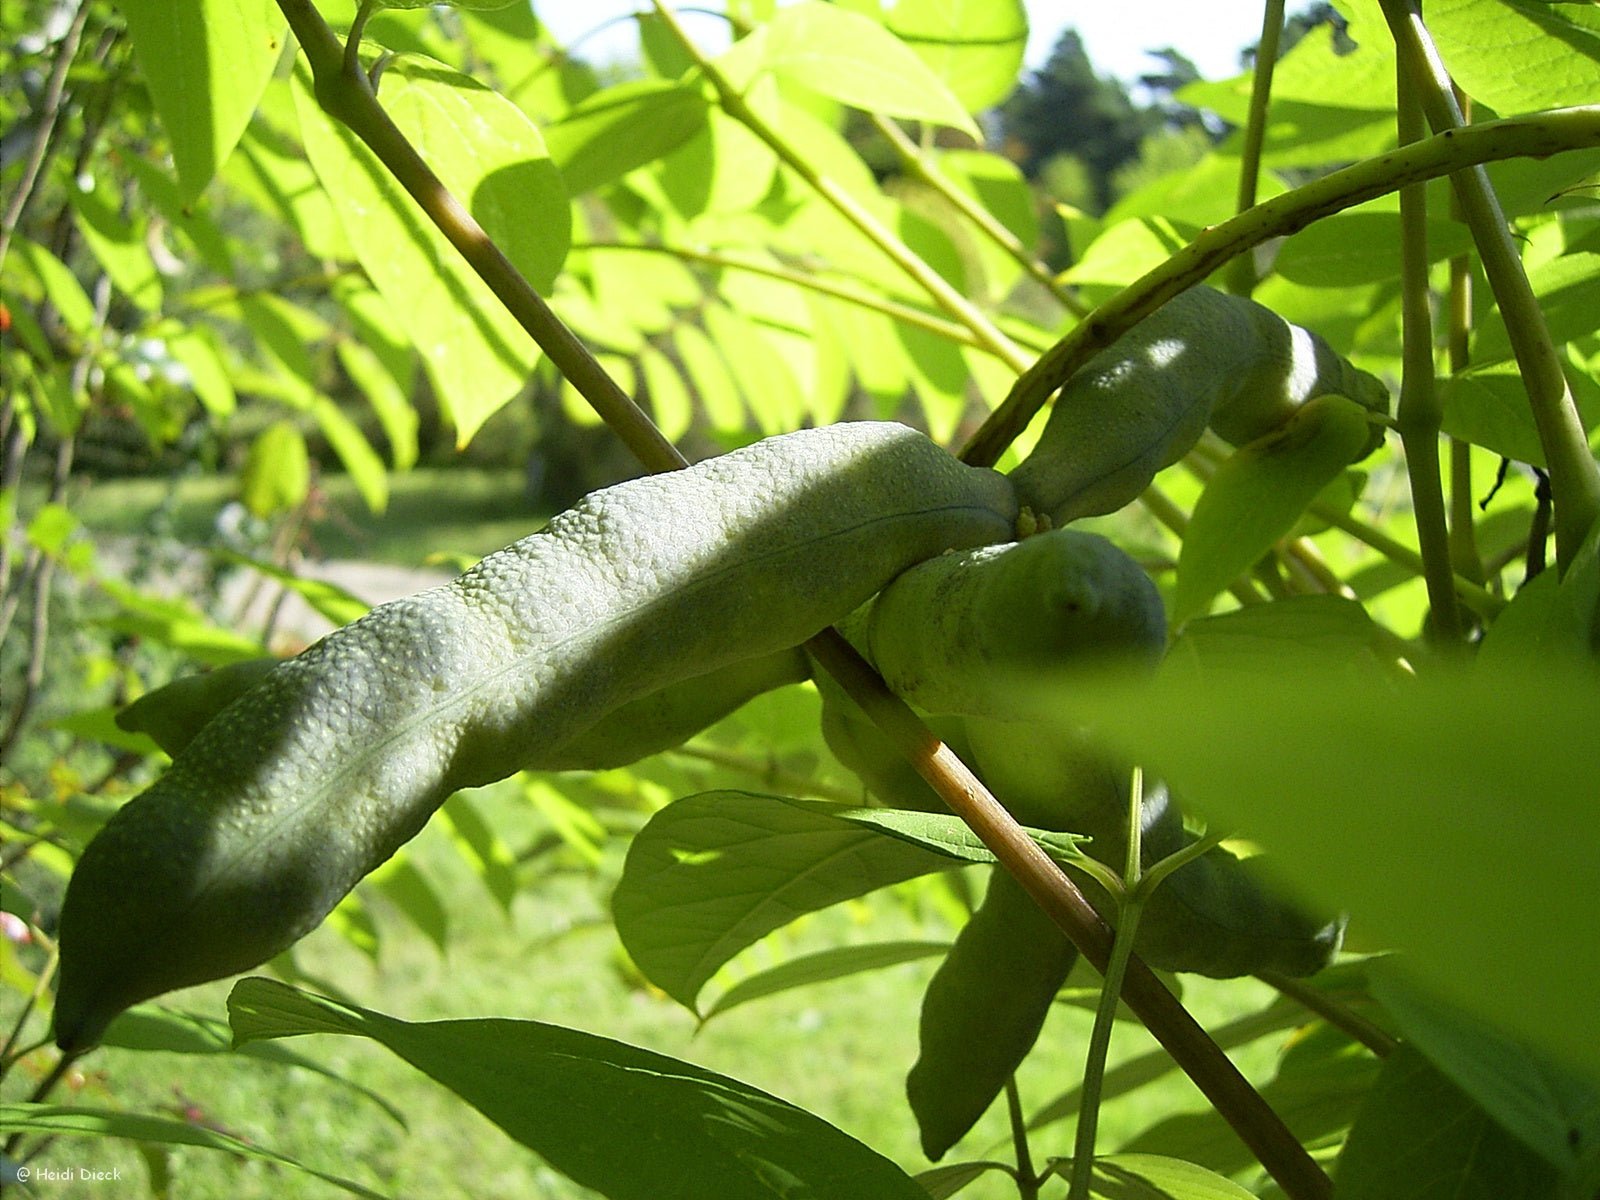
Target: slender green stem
945, 296
1242, 275
1464, 554
47, 110
346, 95
1130, 909
1535, 136
1574, 473
1027, 1178
917, 164
1419, 416
352, 40
1235, 1100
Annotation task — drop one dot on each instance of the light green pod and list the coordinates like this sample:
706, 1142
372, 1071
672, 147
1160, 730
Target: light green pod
983, 1011
985, 632
1138, 406
282, 803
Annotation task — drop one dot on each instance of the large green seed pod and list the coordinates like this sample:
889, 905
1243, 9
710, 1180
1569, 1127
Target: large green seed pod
985, 632
312, 778
173, 714
1138, 406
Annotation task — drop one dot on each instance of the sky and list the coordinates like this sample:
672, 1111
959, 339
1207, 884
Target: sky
1116, 33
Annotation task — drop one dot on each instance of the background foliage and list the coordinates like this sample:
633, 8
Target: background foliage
233, 347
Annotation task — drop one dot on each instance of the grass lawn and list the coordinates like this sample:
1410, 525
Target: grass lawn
456, 510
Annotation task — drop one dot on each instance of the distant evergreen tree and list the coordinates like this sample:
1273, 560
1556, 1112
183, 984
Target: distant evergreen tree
1177, 71
1297, 25
1065, 108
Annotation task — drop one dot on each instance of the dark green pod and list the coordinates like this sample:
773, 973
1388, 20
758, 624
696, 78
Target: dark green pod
1219, 915
989, 632
983, 1011
1140, 405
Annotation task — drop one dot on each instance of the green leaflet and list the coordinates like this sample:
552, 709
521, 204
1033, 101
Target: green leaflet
711, 874
1259, 493
626, 1122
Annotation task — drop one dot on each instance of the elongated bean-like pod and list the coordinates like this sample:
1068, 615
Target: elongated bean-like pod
1138, 406
311, 779
976, 633
1222, 915
980, 632
983, 1011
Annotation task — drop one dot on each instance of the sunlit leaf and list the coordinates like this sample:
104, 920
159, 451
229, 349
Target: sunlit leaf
492, 158
410, 891
206, 63
974, 46
670, 403
59, 286
858, 62
623, 127
277, 472
482, 847
1520, 55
